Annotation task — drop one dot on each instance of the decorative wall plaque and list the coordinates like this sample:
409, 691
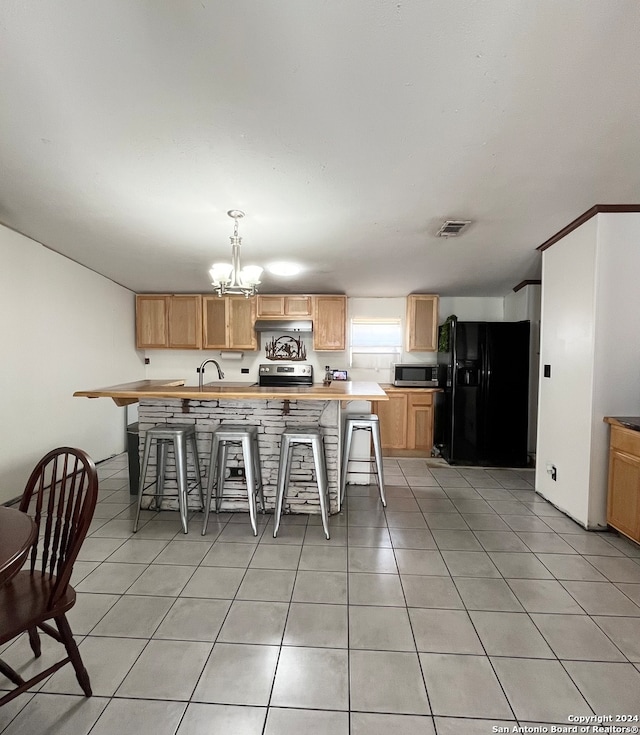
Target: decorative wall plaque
286, 348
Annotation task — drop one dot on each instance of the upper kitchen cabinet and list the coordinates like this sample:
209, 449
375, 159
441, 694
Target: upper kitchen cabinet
152, 321
228, 323
270, 306
422, 323
329, 323
171, 321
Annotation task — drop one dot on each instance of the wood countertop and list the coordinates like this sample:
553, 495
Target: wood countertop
126, 393
388, 388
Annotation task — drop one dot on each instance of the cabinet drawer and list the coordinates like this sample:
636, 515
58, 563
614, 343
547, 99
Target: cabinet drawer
421, 399
625, 440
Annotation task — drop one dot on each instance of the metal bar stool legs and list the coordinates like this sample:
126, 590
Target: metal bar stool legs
247, 438
290, 439
179, 438
362, 422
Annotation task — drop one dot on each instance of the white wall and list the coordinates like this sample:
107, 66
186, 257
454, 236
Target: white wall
566, 343
63, 328
591, 338
617, 342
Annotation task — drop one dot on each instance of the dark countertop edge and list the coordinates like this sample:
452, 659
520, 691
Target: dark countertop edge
629, 422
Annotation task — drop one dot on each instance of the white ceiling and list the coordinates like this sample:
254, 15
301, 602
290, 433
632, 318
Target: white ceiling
348, 130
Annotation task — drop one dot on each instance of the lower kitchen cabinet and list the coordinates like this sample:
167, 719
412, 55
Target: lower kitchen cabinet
393, 420
623, 499
406, 421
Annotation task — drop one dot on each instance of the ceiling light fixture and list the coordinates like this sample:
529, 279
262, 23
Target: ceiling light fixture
284, 269
230, 278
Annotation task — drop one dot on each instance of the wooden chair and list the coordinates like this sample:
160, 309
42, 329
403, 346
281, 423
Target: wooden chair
60, 496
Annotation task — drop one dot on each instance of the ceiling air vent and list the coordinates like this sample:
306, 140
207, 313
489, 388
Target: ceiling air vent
453, 227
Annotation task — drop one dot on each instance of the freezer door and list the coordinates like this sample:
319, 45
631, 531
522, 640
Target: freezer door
505, 394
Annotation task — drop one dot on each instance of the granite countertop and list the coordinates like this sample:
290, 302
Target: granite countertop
629, 422
127, 393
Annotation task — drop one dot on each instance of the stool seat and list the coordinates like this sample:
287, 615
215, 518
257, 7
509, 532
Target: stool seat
290, 438
223, 436
178, 437
362, 422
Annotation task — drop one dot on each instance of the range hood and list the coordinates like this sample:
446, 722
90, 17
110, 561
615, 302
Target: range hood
284, 325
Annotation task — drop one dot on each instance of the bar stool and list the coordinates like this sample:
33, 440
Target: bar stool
291, 438
177, 436
362, 422
247, 438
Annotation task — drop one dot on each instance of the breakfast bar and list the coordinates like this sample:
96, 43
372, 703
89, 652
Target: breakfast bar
269, 409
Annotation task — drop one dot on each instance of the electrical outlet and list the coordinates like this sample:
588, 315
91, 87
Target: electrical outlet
552, 471
147, 361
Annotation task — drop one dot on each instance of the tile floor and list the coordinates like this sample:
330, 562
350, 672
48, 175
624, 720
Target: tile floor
470, 603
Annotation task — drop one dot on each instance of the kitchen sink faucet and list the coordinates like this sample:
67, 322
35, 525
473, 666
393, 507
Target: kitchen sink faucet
200, 372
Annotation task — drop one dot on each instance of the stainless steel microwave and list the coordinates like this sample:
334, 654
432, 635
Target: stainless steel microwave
415, 375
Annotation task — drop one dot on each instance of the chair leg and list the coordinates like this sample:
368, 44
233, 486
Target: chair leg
180, 451
74, 654
196, 464
345, 462
34, 640
143, 475
323, 485
249, 469
258, 472
223, 454
286, 451
213, 461
377, 450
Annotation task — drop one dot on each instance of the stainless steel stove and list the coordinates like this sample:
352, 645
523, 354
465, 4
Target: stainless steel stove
285, 374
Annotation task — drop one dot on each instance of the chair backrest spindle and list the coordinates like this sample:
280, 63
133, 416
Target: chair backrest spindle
70, 478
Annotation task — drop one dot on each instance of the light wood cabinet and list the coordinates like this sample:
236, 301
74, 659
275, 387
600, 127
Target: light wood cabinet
228, 323
171, 321
270, 306
420, 422
393, 420
623, 499
421, 323
406, 422
185, 322
210, 322
329, 323
152, 321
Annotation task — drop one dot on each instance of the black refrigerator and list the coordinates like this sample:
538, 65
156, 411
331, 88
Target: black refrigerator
482, 415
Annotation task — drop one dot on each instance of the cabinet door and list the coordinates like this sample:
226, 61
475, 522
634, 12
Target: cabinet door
242, 317
623, 502
422, 323
329, 322
297, 305
152, 321
269, 306
393, 420
185, 322
215, 326
420, 422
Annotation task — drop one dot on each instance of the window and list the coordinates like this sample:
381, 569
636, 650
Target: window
375, 343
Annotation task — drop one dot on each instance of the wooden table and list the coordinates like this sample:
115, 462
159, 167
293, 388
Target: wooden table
17, 533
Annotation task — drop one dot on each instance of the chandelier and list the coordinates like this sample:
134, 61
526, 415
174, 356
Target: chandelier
230, 278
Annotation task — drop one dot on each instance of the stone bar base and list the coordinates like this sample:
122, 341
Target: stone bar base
271, 417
